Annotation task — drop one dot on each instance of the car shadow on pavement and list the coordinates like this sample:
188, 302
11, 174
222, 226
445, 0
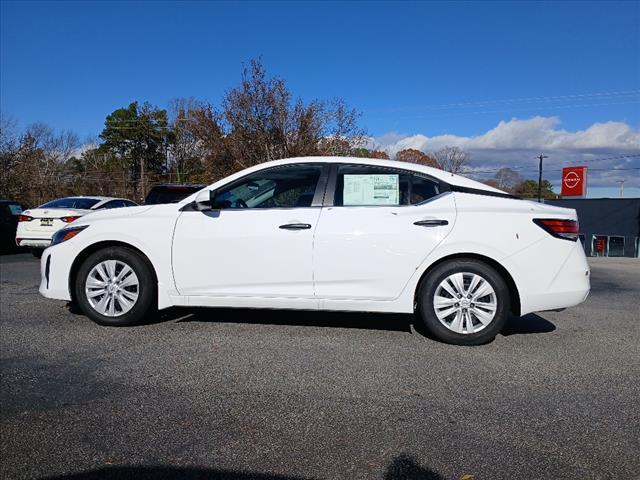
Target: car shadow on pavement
402, 467
531, 323
369, 321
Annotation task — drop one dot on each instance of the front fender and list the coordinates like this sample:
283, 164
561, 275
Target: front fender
152, 237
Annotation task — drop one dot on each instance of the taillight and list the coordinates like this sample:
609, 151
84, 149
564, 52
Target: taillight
25, 218
566, 229
69, 219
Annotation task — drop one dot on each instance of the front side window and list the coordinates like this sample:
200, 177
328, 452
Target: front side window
366, 185
282, 187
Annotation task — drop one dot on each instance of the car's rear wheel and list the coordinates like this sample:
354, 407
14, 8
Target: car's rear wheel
37, 252
115, 287
464, 302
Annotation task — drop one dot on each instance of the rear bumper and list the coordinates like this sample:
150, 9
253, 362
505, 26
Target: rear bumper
566, 283
33, 242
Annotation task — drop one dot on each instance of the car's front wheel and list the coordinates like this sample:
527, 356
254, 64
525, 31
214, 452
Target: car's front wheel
464, 302
115, 287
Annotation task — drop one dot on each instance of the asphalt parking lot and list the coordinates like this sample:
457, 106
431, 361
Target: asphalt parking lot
299, 395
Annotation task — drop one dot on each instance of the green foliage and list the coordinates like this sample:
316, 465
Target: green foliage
139, 137
529, 189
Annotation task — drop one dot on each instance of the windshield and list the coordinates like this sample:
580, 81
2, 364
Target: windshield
71, 202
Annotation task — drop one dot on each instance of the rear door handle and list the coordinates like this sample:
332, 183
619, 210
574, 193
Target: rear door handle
295, 226
431, 223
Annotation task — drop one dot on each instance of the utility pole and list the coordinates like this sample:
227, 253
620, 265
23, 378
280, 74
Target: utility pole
621, 182
541, 157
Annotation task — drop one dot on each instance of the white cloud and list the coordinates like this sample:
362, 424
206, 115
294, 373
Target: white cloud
516, 142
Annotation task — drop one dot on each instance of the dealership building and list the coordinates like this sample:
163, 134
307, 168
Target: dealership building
609, 227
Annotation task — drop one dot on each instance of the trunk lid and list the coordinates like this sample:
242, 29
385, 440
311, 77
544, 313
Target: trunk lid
50, 219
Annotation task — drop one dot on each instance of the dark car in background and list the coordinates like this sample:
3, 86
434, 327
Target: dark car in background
9, 213
171, 193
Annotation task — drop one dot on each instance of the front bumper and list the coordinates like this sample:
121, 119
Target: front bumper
55, 267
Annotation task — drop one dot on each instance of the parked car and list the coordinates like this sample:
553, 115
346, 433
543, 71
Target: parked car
37, 225
325, 233
9, 213
171, 193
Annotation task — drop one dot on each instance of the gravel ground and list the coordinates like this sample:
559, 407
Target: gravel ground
212, 394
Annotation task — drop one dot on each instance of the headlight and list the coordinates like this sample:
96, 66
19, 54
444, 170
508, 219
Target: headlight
66, 234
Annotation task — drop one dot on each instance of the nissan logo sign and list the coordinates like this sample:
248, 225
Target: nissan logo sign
571, 179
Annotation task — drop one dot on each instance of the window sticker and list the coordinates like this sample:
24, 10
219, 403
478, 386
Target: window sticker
371, 190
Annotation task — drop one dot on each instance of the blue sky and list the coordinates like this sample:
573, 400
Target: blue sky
442, 71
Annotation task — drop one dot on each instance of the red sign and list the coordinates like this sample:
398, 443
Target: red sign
574, 182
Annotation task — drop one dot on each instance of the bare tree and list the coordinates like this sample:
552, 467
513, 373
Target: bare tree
262, 122
34, 163
507, 179
9, 147
452, 159
186, 152
208, 129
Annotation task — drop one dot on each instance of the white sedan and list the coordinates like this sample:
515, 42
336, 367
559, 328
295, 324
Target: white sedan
323, 233
37, 226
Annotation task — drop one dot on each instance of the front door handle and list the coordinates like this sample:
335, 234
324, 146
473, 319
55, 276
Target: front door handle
295, 226
431, 223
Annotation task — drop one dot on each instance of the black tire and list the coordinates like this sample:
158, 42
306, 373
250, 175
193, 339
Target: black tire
427, 292
146, 301
37, 252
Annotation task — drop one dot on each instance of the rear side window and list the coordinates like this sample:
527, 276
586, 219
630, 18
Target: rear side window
365, 185
422, 189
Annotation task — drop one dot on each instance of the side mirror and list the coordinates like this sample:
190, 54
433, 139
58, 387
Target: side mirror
203, 200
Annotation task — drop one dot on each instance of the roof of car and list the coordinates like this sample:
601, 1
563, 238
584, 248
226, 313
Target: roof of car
447, 177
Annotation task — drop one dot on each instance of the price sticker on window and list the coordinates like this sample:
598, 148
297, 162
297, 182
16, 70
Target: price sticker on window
371, 190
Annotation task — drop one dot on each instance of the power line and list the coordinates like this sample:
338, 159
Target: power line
480, 103
542, 99
483, 112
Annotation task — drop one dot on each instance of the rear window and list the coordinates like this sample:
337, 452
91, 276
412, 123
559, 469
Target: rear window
169, 194
71, 202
